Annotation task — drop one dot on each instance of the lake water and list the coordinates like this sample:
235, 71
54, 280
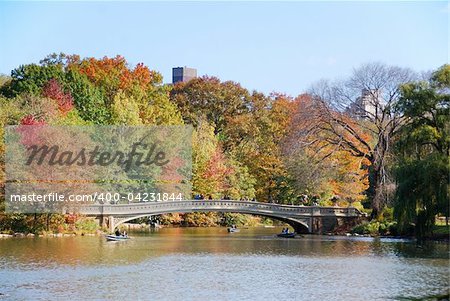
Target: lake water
210, 264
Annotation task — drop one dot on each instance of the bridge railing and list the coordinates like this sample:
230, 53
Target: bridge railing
211, 205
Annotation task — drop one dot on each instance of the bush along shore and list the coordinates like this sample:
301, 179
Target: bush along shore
57, 225
390, 229
47, 225
72, 225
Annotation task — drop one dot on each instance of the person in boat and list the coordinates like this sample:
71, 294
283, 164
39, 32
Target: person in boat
117, 232
124, 233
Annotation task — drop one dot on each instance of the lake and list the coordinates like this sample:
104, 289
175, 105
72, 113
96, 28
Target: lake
211, 264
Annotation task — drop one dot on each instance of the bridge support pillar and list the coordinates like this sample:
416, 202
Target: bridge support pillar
102, 221
111, 224
316, 225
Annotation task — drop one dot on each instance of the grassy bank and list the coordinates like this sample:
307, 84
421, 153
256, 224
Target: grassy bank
389, 228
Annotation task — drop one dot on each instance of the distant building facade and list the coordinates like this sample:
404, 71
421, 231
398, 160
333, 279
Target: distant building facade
368, 105
183, 74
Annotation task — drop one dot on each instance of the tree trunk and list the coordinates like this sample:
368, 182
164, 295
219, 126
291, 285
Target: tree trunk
377, 204
375, 191
48, 222
378, 178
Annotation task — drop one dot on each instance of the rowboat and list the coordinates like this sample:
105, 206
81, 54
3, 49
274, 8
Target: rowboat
287, 235
233, 230
117, 237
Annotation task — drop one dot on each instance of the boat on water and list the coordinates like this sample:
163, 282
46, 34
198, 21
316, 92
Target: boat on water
117, 237
233, 230
287, 235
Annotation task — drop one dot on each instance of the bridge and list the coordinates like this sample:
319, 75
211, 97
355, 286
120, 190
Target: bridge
304, 219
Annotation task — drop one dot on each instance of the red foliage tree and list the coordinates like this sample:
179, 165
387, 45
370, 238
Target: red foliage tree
28, 130
31, 120
54, 91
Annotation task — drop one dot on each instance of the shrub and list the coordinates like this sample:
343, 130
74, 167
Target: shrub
375, 228
86, 224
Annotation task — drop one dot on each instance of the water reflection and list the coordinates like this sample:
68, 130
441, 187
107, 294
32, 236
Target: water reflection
209, 263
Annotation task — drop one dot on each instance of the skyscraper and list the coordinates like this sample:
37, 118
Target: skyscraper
368, 105
183, 74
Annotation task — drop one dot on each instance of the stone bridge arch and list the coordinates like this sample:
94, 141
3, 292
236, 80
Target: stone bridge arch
300, 226
304, 219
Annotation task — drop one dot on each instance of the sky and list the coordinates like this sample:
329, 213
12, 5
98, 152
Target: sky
266, 46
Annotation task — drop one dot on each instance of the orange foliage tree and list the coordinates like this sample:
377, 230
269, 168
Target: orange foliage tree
326, 157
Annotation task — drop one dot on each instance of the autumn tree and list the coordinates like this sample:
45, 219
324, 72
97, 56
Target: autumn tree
215, 173
360, 115
254, 139
209, 168
137, 85
68, 90
64, 100
248, 126
318, 167
95, 84
208, 97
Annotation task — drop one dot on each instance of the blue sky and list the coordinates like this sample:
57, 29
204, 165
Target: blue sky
267, 46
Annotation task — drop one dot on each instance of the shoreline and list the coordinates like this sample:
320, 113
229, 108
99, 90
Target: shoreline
438, 238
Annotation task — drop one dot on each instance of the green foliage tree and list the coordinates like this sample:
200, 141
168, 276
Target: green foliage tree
32, 78
125, 110
157, 108
89, 99
422, 172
